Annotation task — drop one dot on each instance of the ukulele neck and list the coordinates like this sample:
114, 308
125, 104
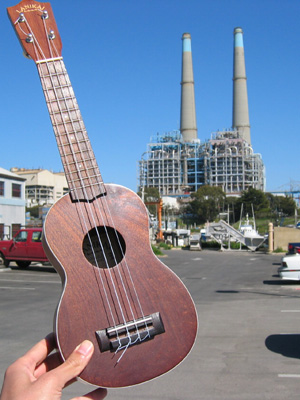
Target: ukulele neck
78, 159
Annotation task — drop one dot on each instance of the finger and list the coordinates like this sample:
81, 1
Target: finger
51, 362
97, 394
39, 352
74, 364
24, 367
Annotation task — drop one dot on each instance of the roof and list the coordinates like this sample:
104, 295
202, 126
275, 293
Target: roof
7, 174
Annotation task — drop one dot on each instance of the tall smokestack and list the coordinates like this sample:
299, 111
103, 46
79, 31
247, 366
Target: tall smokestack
240, 112
188, 124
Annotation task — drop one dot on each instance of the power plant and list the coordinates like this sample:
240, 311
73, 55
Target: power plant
178, 163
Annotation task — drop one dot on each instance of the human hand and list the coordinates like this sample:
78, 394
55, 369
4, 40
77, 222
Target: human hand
40, 376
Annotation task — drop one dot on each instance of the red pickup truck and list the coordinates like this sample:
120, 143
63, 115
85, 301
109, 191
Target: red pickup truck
25, 247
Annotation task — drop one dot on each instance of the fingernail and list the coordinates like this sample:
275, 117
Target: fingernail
85, 348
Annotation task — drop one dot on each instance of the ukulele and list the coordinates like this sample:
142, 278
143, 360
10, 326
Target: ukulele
116, 292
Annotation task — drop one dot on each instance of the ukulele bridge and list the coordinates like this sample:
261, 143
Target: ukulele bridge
130, 333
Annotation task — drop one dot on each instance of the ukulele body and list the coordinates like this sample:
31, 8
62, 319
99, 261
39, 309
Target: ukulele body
97, 298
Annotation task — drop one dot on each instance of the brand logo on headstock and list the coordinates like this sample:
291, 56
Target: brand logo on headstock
30, 7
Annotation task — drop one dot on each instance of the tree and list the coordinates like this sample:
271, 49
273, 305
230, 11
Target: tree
151, 194
232, 204
281, 205
254, 197
287, 205
205, 205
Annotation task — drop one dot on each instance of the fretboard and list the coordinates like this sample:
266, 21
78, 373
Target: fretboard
78, 159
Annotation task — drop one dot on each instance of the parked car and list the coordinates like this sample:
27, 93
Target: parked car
290, 267
25, 247
294, 248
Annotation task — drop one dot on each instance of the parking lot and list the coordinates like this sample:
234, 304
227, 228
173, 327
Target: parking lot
248, 344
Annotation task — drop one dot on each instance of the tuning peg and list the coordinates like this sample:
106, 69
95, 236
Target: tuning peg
21, 17
51, 35
26, 55
29, 38
45, 14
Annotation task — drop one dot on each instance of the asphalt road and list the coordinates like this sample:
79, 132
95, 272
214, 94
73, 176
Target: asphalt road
248, 344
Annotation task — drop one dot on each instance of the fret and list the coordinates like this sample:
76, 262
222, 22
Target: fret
88, 180
86, 161
89, 171
96, 176
80, 154
81, 169
79, 141
89, 186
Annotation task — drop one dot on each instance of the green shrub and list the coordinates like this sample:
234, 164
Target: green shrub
279, 250
165, 246
210, 245
156, 250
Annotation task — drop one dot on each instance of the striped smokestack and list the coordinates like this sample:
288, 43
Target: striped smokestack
188, 124
240, 112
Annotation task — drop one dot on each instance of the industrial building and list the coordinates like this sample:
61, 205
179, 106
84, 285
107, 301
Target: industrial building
42, 186
177, 163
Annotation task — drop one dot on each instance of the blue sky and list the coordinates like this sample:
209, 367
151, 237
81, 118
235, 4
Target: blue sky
124, 62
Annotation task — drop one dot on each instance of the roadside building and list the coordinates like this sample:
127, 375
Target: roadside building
12, 203
42, 186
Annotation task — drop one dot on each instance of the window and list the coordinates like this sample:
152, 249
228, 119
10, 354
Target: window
15, 228
21, 236
1, 188
36, 237
16, 190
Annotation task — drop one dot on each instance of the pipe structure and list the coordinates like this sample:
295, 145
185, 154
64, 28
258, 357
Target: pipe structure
240, 112
188, 124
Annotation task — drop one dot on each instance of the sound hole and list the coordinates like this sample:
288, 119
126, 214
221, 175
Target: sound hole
103, 247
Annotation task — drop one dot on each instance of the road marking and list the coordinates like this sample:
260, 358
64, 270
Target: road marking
18, 288
290, 310
291, 287
31, 274
289, 376
25, 281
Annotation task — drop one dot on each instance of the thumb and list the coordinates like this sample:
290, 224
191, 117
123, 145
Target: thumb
75, 363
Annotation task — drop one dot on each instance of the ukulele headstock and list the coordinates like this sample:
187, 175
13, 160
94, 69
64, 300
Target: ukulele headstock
35, 26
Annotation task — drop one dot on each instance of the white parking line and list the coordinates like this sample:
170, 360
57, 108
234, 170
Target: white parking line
290, 310
293, 287
30, 274
25, 281
18, 288
289, 376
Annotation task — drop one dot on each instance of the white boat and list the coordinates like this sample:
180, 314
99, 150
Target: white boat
252, 238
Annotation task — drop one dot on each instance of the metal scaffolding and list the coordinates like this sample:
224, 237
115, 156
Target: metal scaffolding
171, 165
176, 167
233, 165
